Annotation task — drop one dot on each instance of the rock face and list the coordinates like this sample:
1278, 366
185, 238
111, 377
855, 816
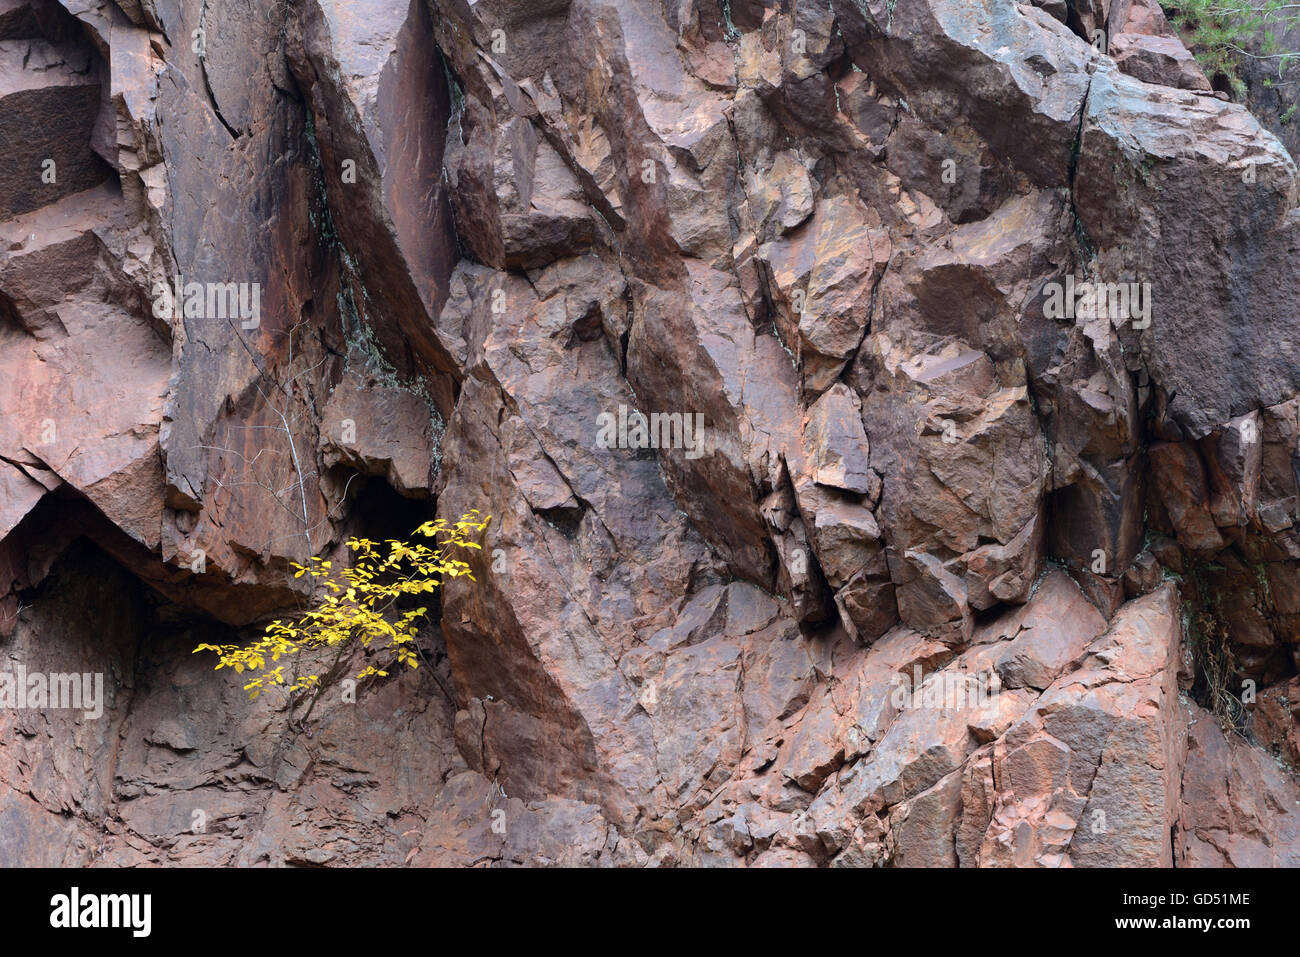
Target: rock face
887, 411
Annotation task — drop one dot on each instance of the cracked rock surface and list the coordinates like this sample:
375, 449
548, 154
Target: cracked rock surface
951, 517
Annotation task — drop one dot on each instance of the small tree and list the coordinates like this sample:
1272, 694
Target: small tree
359, 604
1222, 33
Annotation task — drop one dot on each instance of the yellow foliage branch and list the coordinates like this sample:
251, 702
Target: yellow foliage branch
358, 605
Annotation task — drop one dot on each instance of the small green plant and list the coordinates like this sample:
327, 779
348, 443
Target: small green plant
1215, 664
358, 605
1224, 33
729, 28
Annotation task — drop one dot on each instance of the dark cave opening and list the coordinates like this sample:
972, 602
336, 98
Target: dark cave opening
381, 512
